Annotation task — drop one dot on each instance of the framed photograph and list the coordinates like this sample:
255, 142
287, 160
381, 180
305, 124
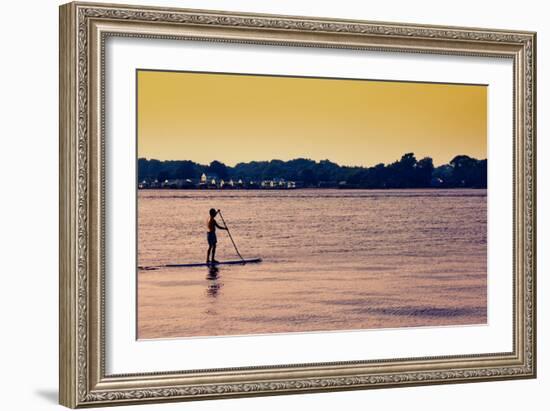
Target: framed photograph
260, 204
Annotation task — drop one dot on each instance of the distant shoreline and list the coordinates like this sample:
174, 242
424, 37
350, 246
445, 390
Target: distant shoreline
407, 172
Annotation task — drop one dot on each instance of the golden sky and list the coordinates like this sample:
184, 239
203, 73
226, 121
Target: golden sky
240, 118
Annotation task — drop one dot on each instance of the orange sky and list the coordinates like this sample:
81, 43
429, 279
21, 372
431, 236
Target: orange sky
239, 118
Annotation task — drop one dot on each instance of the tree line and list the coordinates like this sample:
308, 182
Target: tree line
407, 172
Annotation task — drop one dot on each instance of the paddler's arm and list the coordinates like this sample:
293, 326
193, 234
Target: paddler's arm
219, 226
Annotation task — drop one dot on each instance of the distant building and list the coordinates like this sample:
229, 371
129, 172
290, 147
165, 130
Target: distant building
178, 183
187, 183
148, 183
252, 184
209, 180
212, 181
277, 183
168, 183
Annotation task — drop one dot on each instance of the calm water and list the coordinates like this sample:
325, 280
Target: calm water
332, 260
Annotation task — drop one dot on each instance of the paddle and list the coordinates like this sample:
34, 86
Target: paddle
231, 237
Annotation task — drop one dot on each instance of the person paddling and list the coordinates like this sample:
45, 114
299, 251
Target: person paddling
211, 236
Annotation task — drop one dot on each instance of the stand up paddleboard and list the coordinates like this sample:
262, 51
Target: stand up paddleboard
245, 261
230, 262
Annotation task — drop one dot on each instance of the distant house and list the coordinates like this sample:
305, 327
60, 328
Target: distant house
148, 182
268, 184
178, 183
169, 183
253, 184
187, 183
277, 183
209, 180
227, 184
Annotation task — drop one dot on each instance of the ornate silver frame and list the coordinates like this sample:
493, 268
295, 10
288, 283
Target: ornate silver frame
83, 30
